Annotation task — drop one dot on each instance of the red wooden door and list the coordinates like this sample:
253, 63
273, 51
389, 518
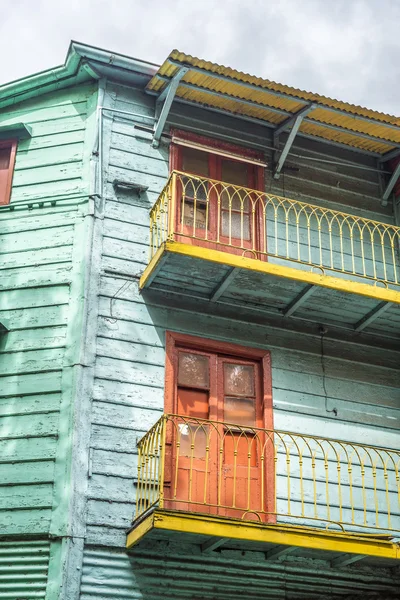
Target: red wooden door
239, 210
7, 159
224, 216
196, 210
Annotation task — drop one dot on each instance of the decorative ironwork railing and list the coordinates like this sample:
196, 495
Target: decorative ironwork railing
235, 219
230, 470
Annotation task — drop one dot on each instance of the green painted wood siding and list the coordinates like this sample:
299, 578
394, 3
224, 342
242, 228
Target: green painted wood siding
42, 256
52, 164
361, 383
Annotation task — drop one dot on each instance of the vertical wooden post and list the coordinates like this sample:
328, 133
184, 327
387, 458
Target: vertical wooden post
161, 476
172, 207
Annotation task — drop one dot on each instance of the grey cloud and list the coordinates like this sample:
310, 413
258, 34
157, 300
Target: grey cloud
347, 49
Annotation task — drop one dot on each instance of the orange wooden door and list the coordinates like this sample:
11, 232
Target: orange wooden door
242, 485
216, 460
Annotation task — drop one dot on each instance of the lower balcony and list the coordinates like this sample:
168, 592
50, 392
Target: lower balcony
217, 484
250, 251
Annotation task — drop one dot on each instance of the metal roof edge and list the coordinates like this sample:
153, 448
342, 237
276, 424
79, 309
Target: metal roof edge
78, 55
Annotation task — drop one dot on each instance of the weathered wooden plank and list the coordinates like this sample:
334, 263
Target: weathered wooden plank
31, 361
21, 298
111, 489
18, 385
123, 370
61, 254
17, 522
106, 513
34, 340
141, 353
47, 316
125, 417
27, 472
29, 425
41, 403
41, 276
34, 496
115, 464
127, 392
29, 450
38, 158
127, 250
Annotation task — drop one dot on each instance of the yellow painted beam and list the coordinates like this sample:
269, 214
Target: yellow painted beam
252, 264
150, 270
316, 539
139, 531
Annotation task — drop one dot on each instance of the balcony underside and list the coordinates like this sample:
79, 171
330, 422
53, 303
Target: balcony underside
237, 281
211, 532
260, 561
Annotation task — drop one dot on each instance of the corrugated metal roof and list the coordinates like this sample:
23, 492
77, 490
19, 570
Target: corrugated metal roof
224, 88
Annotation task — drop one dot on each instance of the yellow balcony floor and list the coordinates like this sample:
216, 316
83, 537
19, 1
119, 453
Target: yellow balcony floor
282, 289
211, 532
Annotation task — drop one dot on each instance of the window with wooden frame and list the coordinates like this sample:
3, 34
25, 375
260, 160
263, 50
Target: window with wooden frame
220, 455
217, 203
8, 150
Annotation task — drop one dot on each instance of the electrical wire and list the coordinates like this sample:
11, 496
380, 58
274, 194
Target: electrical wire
322, 332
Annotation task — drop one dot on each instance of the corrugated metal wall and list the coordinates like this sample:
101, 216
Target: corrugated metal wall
108, 574
23, 569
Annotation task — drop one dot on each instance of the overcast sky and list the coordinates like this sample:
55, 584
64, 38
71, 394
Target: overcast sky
346, 49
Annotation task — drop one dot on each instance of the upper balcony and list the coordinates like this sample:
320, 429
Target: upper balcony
275, 491
219, 242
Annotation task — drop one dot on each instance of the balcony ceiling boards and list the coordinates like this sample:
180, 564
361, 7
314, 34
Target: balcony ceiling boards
226, 89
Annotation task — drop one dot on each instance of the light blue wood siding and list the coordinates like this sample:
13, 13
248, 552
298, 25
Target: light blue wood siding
362, 383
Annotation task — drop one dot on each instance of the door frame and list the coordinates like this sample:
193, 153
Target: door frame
229, 151
174, 341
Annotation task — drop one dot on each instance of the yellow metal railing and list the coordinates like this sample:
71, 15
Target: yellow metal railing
225, 217
229, 470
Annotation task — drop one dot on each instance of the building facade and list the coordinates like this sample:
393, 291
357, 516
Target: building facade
199, 347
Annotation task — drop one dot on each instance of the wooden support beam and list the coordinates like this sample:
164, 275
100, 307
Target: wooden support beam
276, 553
212, 544
391, 184
299, 300
389, 155
346, 559
372, 316
291, 120
223, 284
295, 127
167, 95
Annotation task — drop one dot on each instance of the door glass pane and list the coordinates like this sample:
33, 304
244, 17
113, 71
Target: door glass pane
238, 200
193, 370
194, 161
4, 158
238, 379
240, 411
193, 440
190, 212
236, 172
193, 403
235, 219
